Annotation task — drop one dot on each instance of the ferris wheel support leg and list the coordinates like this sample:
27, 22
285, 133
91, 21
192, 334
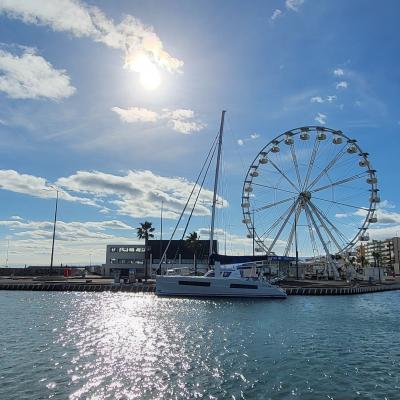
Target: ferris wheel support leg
331, 266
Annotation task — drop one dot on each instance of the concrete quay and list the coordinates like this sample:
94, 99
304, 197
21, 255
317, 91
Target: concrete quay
293, 288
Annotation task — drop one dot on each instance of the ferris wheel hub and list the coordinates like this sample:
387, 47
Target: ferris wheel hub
306, 195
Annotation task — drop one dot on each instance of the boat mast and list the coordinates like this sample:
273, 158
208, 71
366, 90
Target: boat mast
221, 130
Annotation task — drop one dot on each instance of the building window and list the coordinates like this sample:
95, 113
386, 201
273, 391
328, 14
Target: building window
113, 261
139, 262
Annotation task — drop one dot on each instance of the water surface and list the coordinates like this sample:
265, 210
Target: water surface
128, 346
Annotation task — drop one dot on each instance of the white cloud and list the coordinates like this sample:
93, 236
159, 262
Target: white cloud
30, 76
317, 99
76, 242
320, 118
338, 72
136, 114
277, 13
82, 20
138, 193
35, 186
253, 136
293, 5
180, 120
342, 85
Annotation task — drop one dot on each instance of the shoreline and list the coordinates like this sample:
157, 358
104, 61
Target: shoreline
322, 288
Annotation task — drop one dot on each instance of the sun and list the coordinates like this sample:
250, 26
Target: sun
149, 76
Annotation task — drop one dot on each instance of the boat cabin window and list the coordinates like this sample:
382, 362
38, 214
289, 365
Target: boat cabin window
226, 274
242, 286
194, 283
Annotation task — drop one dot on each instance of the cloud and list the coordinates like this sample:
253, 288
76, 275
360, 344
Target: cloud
76, 242
319, 99
81, 20
13, 181
139, 193
136, 114
180, 120
253, 136
277, 13
136, 194
320, 118
342, 85
30, 76
338, 72
293, 5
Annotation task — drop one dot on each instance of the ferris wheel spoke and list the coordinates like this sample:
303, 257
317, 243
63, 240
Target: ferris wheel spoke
341, 182
274, 187
342, 204
282, 227
331, 163
292, 231
323, 224
296, 165
273, 204
284, 175
324, 245
333, 226
276, 223
312, 237
311, 162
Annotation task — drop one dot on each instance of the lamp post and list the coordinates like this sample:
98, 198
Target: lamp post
54, 232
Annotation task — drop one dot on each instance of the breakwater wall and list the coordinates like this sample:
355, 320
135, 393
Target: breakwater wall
150, 288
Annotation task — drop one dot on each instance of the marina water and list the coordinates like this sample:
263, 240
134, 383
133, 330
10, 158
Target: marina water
129, 346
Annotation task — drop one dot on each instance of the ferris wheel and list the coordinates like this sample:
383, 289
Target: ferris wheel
312, 190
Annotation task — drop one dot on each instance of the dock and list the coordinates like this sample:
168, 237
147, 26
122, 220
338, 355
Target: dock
293, 288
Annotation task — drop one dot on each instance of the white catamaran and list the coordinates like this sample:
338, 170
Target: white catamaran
233, 279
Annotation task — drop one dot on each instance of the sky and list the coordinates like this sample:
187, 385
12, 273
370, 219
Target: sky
116, 104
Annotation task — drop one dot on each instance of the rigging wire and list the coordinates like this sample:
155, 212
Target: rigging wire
212, 150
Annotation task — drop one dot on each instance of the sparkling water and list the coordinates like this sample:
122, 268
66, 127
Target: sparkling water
129, 346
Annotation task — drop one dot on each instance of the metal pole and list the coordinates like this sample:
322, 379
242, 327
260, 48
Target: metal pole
253, 235
161, 231
295, 243
221, 130
8, 246
54, 235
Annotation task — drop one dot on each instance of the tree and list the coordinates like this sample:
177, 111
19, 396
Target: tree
144, 231
193, 242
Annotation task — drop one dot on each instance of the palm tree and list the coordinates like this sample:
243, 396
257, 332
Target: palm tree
193, 242
144, 231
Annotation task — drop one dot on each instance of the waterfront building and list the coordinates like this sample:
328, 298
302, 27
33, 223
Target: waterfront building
381, 253
128, 260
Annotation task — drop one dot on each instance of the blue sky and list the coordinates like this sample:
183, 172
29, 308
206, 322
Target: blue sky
72, 99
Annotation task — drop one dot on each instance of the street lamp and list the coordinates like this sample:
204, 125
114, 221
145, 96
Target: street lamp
54, 231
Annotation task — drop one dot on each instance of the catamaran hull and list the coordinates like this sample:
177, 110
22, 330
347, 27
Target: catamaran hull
215, 287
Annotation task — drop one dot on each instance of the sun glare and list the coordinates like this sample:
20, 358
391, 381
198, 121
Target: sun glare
149, 76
